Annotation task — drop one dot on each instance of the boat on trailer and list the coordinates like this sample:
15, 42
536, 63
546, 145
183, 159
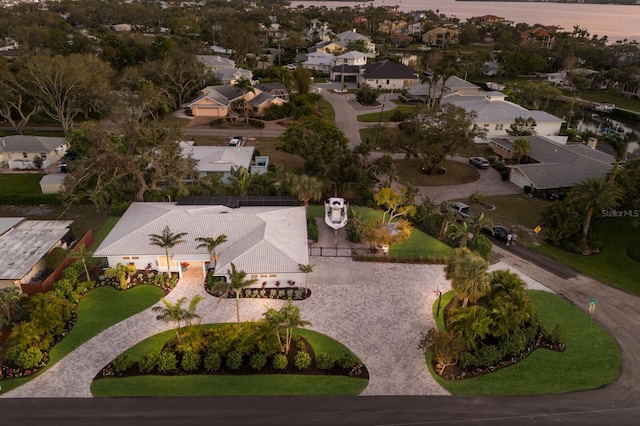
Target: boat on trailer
336, 212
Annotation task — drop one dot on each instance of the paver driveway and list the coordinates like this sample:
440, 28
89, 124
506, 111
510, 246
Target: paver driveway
378, 310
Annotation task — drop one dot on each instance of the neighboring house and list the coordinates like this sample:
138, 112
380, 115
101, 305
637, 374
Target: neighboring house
400, 39
485, 20
318, 31
495, 114
553, 165
558, 78
538, 36
441, 36
223, 100
267, 242
630, 90
345, 38
491, 68
219, 160
121, 27
18, 151
350, 58
319, 61
224, 69
452, 85
23, 246
387, 75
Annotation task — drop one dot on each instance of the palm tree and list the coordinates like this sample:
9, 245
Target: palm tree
245, 86
448, 216
81, 254
237, 281
595, 194
167, 240
306, 188
479, 222
619, 143
521, 147
175, 313
240, 179
9, 298
472, 324
306, 269
460, 233
468, 274
284, 321
210, 244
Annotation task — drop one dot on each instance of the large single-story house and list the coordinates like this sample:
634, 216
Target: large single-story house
219, 160
18, 151
223, 100
495, 114
552, 164
23, 246
267, 242
452, 85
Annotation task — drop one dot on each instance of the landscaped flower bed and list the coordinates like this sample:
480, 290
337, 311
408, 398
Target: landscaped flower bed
268, 293
141, 277
237, 358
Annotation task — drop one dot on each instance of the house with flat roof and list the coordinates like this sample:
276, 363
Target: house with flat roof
23, 246
267, 242
551, 164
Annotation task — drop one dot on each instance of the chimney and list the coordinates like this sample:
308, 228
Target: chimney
592, 142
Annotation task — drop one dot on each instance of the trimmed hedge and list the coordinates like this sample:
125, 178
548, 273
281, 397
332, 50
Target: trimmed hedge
30, 199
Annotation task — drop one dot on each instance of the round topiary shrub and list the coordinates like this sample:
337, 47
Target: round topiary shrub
122, 363
302, 360
212, 361
280, 362
190, 361
148, 362
233, 360
24, 357
167, 362
346, 360
258, 361
324, 361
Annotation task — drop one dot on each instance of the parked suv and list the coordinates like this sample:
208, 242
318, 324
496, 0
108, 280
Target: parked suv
479, 162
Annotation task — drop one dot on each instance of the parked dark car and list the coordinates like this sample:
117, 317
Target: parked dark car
498, 231
479, 162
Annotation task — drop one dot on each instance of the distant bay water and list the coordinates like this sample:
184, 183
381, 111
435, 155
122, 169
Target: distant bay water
617, 22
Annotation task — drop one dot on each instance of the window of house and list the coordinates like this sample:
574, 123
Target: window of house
135, 258
499, 126
24, 155
43, 155
126, 258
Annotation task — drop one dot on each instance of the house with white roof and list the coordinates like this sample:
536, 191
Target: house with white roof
267, 242
350, 58
453, 84
224, 69
319, 61
220, 160
18, 151
24, 245
551, 164
495, 114
347, 37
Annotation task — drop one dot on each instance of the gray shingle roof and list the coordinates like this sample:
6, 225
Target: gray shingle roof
27, 143
388, 69
559, 166
259, 239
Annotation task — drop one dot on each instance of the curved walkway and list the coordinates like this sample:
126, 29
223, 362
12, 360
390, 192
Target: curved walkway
376, 309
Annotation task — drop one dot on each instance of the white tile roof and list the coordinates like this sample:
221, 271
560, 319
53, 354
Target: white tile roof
218, 158
259, 239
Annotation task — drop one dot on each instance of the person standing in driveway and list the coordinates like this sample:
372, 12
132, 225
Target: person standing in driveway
509, 236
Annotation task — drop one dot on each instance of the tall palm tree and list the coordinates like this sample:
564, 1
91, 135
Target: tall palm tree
167, 240
283, 321
468, 274
210, 244
448, 216
9, 298
306, 269
237, 281
478, 222
521, 147
245, 86
175, 313
240, 179
80, 253
619, 143
306, 188
595, 194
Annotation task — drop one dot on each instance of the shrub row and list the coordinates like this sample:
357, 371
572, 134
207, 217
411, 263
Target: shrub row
30, 199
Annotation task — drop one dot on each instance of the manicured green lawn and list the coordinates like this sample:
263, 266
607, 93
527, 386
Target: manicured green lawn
612, 265
212, 385
591, 359
457, 173
19, 183
220, 385
374, 117
515, 209
98, 309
